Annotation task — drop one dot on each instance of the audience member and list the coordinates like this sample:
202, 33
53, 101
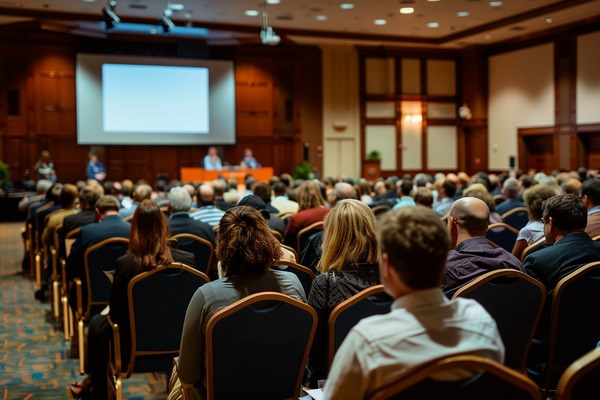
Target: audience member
385, 193
405, 187
483, 195
95, 169
471, 255
365, 191
180, 221
590, 194
67, 200
423, 324
88, 196
41, 187
219, 187
44, 167
312, 208
446, 190
511, 188
246, 250
281, 201
249, 162
263, 190
348, 265
275, 223
424, 197
212, 161
141, 192
148, 248
207, 211
571, 186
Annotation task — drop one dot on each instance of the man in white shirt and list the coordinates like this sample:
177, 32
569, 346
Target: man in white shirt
423, 324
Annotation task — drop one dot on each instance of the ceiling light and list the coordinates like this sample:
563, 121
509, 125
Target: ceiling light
462, 14
321, 17
407, 10
109, 11
176, 6
273, 1
549, 20
267, 34
433, 25
380, 22
346, 6
251, 13
165, 22
495, 3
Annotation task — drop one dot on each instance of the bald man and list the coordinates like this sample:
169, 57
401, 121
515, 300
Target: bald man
471, 254
207, 211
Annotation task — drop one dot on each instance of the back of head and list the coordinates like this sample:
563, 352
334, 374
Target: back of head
309, 196
219, 186
180, 199
279, 189
484, 196
206, 195
424, 197
88, 196
257, 203
511, 188
591, 189
567, 212
416, 243
245, 244
148, 240
571, 186
68, 195
535, 196
405, 186
107, 203
342, 191
421, 180
349, 236
142, 192
471, 215
449, 187
262, 190
42, 186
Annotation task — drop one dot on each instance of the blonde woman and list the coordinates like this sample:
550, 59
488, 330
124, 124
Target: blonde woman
348, 265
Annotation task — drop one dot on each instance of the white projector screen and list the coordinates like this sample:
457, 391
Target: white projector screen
152, 100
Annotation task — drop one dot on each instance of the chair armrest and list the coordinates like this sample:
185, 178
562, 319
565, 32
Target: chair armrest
116, 353
79, 292
63, 274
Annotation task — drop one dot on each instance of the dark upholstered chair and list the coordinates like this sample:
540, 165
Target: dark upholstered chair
533, 247
306, 233
305, 275
515, 300
156, 321
489, 380
502, 235
202, 249
344, 316
262, 342
581, 380
517, 217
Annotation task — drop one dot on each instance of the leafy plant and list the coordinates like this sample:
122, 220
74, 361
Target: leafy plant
303, 170
374, 155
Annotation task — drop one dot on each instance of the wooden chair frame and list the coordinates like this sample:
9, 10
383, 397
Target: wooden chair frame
532, 246
514, 211
211, 263
304, 231
67, 313
298, 267
577, 370
503, 226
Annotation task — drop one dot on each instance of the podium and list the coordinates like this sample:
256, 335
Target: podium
203, 175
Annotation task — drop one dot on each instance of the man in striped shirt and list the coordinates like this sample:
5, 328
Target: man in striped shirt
207, 211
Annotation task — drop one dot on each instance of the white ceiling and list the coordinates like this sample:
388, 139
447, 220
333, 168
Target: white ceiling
318, 21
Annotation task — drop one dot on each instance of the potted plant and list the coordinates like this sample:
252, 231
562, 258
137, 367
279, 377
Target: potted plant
374, 155
371, 166
303, 171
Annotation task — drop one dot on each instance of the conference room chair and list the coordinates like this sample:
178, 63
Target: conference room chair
581, 380
258, 347
515, 301
67, 313
517, 217
99, 264
305, 275
202, 249
284, 215
378, 211
305, 233
55, 275
596, 238
574, 320
344, 316
502, 235
291, 250
532, 247
485, 379
156, 321
277, 235
498, 198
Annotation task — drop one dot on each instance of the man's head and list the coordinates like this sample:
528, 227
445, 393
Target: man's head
342, 191
413, 245
563, 214
206, 195
42, 186
88, 196
262, 190
590, 193
212, 151
511, 188
423, 197
571, 186
447, 189
68, 195
405, 186
179, 200
469, 217
106, 205
142, 192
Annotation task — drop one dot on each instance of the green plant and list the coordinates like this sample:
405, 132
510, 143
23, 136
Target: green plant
3, 174
303, 170
374, 155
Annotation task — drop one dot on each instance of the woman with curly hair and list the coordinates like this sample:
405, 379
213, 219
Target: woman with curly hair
247, 250
348, 265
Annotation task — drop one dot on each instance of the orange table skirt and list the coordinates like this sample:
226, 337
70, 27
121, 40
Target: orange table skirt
203, 175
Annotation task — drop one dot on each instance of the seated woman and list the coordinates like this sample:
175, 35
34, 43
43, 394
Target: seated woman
148, 248
348, 266
247, 250
534, 230
311, 208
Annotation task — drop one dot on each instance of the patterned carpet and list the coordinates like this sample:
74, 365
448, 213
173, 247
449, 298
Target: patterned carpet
34, 358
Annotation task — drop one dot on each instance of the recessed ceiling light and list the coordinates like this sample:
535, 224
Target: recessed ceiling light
495, 3
176, 6
321, 17
433, 25
347, 6
407, 10
433, 1
549, 20
462, 14
488, 37
89, 1
251, 13
273, 1
380, 22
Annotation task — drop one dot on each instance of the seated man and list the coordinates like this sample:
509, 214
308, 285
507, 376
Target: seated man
423, 324
472, 255
511, 188
590, 194
180, 221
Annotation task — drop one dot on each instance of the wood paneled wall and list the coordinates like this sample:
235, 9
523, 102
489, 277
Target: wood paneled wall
39, 68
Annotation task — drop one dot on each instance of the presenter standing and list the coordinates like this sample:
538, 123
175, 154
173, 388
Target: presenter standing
249, 162
212, 160
95, 168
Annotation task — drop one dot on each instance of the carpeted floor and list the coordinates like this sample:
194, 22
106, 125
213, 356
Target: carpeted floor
34, 358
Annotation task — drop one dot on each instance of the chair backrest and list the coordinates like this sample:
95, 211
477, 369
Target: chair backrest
378, 211
517, 217
502, 235
348, 313
97, 259
70, 239
305, 275
202, 249
158, 301
305, 233
290, 249
515, 301
531, 247
489, 380
277, 235
581, 378
574, 320
596, 238
498, 198
263, 341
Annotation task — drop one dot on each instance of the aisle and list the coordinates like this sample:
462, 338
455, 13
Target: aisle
34, 360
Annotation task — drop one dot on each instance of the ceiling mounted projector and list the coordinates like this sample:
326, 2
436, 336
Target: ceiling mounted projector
269, 37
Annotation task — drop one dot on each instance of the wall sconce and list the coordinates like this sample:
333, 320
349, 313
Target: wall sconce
413, 118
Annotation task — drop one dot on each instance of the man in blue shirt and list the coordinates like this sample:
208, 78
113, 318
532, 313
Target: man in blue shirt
95, 168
